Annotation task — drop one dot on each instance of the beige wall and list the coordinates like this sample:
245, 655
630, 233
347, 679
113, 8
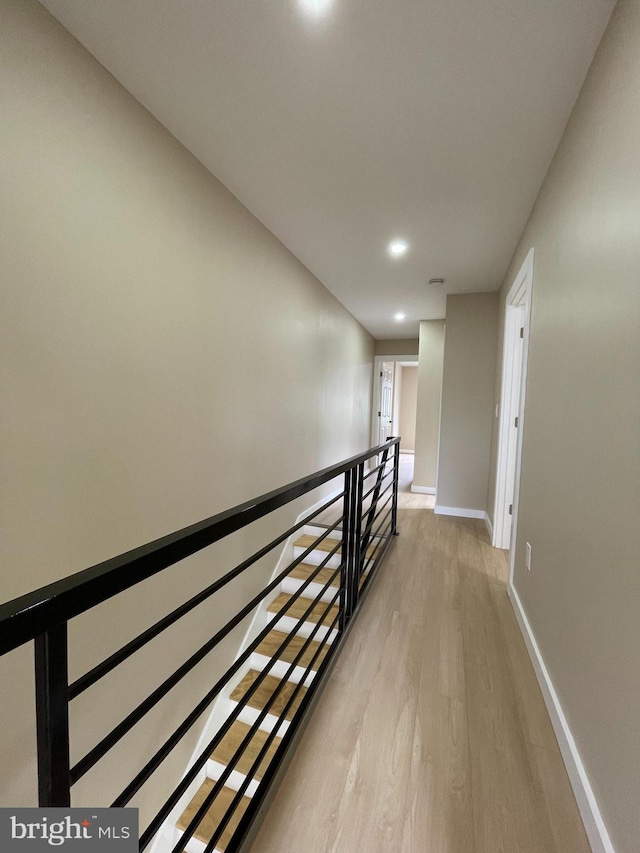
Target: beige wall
164, 357
403, 347
408, 402
467, 400
580, 488
428, 406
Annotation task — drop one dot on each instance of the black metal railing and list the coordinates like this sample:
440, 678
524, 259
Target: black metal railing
366, 520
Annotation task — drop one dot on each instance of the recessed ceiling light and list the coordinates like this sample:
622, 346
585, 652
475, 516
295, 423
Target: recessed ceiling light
315, 8
436, 282
399, 316
398, 248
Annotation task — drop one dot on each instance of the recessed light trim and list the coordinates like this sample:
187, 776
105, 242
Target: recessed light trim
397, 248
436, 282
315, 8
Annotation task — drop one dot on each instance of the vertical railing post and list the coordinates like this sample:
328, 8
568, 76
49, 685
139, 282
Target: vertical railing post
357, 531
396, 477
351, 560
345, 572
52, 717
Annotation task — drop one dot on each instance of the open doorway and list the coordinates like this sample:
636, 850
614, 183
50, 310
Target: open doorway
405, 398
395, 390
514, 378
394, 407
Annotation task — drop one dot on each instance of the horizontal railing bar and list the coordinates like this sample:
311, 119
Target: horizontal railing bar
373, 470
378, 508
376, 517
368, 533
110, 740
382, 475
26, 617
379, 542
376, 486
381, 492
263, 752
219, 785
369, 536
153, 764
384, 540
191, 774
100, 670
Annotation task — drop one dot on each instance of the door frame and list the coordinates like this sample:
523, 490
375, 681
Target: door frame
389, 382
375, 397
513, 385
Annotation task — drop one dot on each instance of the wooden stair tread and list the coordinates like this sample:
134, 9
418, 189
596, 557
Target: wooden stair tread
229, 744
272, 642
266, 690
328, 544
214, 815
303, 571
299, 607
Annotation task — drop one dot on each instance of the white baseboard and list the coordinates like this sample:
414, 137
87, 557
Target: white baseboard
423, 490
459, 511
412, 452
591, 817
489, 526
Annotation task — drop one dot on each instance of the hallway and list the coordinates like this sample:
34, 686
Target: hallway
431, 734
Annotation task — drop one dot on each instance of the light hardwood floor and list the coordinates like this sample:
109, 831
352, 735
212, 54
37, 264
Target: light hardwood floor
431, 735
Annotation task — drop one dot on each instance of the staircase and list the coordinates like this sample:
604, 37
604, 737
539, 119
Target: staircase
294, 635
278, 649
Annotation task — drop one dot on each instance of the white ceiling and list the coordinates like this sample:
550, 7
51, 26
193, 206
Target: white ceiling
431, 120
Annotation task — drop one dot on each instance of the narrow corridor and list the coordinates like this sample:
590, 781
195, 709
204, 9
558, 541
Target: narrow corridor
432, 733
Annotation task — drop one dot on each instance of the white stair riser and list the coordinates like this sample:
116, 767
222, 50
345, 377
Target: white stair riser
280, 668
312, 530
249, 716
312, 590
235, 781
287, 624
316, 557
194, 845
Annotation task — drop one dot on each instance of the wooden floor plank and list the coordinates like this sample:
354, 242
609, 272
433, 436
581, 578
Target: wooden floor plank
495, 560
554, 790
371, 813
505, 799
532, 712
483, 639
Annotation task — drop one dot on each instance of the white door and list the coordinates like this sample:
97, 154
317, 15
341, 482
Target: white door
512, 404
385, 414
514, 380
